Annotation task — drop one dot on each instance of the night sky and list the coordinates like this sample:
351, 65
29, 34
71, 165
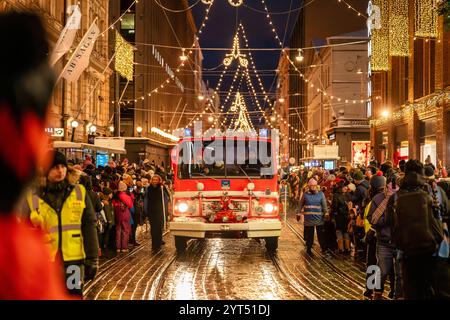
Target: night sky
221, 27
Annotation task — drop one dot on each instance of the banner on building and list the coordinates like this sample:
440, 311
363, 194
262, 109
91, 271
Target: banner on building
124, 61
68, 34
80, 59
360, 153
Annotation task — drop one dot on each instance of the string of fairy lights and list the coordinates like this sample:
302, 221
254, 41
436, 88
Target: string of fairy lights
390, 36
299, 58
183, 58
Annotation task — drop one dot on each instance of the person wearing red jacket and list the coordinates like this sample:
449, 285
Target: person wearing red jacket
26, 84
122, 203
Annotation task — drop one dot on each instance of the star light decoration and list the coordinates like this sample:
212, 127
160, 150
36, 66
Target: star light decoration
234, 3
243, 122
236, 54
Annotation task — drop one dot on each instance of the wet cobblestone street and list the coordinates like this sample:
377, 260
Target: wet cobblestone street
226, 269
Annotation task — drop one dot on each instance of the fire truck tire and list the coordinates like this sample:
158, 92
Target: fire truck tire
272, 244
180, 243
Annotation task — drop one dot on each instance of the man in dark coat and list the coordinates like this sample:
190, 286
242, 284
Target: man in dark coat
154, 208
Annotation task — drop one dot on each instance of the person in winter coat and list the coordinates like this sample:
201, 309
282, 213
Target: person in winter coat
65, 213
441, 273
340, 214
415, 231
313, 207
106, 198
86, 181
138, 193
387, 256
122, 203
26, 270
359, 199
154, 208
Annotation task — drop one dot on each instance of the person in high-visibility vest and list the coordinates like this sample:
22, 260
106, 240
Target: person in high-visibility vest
65, 213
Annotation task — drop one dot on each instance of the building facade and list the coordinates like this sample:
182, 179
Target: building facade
411, 99
164, 91
337, 97
69, 97
317, 20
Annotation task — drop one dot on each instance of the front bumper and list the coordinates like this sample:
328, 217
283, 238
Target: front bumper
254, 228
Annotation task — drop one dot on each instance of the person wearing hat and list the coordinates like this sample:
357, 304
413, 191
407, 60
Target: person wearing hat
387, 255
122, 203
106, 198
340, 215
313, 207
26, 84
65, 212
359, 199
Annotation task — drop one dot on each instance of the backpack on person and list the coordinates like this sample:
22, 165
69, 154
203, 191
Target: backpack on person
415, 229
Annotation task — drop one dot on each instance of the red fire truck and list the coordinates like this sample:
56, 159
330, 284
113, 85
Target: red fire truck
225, 187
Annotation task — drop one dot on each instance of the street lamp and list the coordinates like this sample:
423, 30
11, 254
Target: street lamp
93, 129
111, 128
281, 100
74, 124
139, 130
300, 57
385, 114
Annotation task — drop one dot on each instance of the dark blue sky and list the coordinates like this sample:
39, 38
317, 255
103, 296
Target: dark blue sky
221, 27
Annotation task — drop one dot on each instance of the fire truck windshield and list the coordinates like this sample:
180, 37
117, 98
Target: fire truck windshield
226, 159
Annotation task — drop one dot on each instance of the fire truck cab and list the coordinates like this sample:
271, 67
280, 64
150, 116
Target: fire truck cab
225, 187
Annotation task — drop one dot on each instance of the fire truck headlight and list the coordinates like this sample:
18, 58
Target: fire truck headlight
183, 207
269, 208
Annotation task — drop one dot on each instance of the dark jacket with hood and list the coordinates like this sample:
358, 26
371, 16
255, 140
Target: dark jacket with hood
412, 182
360, 195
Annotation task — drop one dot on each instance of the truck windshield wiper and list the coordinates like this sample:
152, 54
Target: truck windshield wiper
245, 173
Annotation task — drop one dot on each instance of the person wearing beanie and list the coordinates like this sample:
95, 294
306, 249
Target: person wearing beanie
313, 207
386, 253
359, 199
68, 209
377, 186
340, 215
106, 198
122, 203
26, 84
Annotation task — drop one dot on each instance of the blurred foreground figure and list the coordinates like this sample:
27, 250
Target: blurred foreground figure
26, 83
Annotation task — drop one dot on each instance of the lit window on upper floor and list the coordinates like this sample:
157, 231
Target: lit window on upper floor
127, 22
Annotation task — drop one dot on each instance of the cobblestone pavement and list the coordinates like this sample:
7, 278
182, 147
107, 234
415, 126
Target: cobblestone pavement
228, 269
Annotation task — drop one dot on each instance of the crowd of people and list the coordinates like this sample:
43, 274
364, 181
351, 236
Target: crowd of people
392, 217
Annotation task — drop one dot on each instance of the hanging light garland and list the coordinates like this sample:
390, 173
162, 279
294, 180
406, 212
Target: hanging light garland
429, 105
236, 54
426, 18
124, 60
379, 45
352, 8
242, 123
398, 28
234, 3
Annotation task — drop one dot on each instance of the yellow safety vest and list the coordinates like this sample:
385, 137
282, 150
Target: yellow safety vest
46, 218
367, 224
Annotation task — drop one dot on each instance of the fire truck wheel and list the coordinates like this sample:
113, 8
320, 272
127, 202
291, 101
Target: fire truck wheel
180, 243
272, 244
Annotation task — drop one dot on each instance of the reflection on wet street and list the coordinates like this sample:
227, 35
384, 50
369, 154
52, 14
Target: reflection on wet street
214, 269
